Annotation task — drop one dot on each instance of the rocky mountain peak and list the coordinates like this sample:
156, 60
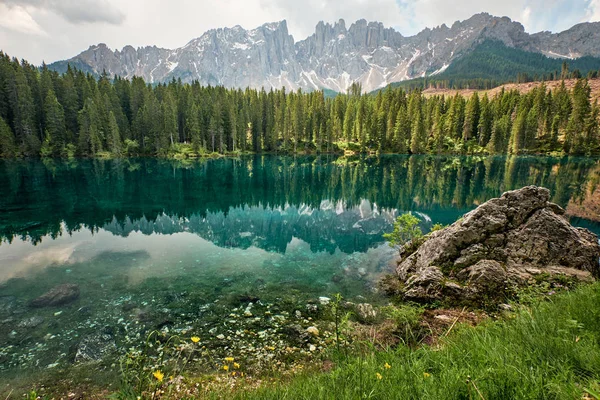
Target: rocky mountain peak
333, 57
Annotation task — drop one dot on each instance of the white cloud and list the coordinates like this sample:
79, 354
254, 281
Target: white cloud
75, 11
18, 19
593, 11
525, 16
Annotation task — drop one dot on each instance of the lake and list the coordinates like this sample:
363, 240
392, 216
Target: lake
244, 253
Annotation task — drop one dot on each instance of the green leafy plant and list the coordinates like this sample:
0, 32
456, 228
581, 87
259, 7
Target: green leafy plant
340, 319
162, 359
406, 228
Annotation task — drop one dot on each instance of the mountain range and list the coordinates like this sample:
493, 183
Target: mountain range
332, 58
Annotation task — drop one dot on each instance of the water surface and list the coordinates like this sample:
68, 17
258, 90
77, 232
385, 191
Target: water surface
188, 247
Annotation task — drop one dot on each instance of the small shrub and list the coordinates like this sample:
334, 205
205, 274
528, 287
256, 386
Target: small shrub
406, 228
132, 147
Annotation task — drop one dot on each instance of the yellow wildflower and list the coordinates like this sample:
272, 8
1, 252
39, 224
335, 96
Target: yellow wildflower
426, 375
387, 366
229, 359
159, 375
233, 373
226, 367
378, 375
195, 339
236, 365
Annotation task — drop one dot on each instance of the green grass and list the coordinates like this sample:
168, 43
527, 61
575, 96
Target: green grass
550, 350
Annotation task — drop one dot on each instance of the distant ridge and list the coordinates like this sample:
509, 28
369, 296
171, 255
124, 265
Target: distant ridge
332, 58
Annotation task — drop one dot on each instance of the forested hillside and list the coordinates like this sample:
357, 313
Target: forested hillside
492, 63
43, 113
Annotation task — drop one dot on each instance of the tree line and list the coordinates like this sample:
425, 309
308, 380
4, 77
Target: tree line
44, 113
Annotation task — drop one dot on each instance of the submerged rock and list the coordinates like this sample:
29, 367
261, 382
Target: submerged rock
31, 322
502, 243
95, 347
58, 295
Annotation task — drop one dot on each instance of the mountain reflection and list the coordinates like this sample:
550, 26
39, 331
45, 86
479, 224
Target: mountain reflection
264, 201
327, 228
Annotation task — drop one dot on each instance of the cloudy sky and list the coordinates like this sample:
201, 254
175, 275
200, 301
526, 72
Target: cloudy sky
50, 30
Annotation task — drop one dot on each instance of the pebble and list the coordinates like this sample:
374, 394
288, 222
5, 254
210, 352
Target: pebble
324, 300
445, 318
313, 330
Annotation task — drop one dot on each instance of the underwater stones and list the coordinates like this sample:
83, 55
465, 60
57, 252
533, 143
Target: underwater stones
31, 322
58, 295
95, 347
7, 304
324, 300
247, 298
312, 308
499, 245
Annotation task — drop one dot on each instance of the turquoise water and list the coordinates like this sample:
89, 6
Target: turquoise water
232, 250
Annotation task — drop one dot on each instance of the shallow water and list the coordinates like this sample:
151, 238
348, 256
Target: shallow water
188, 248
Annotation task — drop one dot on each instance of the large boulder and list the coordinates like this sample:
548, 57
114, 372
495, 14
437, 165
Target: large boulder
502, 243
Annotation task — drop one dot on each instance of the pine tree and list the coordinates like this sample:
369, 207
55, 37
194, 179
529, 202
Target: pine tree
56, 135
114, 136
23, 111
574, 140
517, 138
484, 128
418, 136
8, 148
471, 120
193, 126
500, 130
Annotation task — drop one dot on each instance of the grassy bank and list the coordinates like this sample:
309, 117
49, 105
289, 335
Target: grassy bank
550, 350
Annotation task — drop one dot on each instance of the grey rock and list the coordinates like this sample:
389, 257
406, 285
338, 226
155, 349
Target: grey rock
500, 244
427, 284
58, 295
333, 57
365, 313
95, 347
